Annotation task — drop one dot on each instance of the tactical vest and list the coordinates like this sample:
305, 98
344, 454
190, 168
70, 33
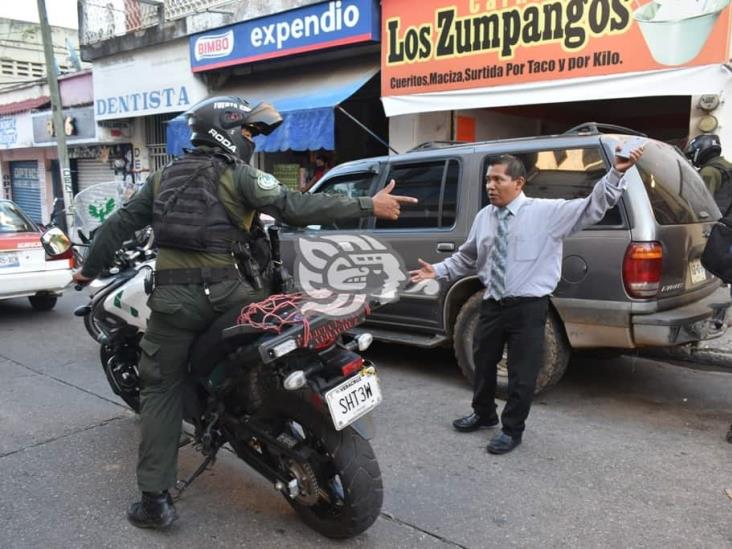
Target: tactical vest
723, 195
187, 212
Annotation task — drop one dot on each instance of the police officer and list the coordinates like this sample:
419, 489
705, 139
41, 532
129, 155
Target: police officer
705, 152
213, 255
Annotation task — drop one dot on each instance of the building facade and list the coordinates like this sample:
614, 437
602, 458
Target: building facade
28, 153
472, 70
317, 62
21, 51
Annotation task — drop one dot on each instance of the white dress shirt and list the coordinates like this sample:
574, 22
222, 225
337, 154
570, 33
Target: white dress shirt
536, 232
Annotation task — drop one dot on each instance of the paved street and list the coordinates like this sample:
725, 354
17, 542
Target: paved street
623, 453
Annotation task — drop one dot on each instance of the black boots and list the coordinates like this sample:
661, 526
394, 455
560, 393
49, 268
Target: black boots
155, 510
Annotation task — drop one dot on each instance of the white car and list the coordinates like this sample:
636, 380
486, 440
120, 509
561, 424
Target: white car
25, 269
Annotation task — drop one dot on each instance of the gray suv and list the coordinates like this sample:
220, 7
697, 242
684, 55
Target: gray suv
633, 280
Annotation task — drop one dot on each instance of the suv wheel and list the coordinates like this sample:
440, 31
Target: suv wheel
43, 302
556, 348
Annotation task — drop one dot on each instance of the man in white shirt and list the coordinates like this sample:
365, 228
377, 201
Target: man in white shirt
515, 246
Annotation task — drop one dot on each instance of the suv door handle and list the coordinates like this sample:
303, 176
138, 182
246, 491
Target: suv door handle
445, 246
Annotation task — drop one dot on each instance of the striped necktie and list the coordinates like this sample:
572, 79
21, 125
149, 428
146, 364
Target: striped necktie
499, 255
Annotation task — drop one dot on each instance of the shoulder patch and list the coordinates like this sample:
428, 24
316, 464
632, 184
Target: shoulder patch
266, 181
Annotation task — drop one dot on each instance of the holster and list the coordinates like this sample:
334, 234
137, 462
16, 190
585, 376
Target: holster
281, 280
248, 265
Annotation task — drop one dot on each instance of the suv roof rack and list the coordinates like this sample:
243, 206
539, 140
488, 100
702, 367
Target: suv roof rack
427, 145
598, 127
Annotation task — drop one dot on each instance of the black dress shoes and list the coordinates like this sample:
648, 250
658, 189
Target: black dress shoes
473, 422
502, 443
154, 510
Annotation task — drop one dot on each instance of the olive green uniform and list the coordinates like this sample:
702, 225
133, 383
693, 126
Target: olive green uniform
179, 313
714, 179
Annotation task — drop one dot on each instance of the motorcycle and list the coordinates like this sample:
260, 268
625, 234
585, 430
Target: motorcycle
288, 393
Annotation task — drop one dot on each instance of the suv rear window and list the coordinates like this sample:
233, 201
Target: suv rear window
564, 173
676, 191
12, 220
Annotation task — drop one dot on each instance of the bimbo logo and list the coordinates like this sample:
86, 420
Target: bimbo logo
214, 45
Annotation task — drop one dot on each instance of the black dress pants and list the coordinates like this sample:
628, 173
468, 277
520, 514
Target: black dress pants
519, 322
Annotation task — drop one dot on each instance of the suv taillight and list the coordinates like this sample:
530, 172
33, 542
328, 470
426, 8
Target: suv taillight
642, 269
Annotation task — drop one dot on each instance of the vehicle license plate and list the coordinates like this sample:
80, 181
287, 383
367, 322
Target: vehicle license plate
354, 398
9, 259
698, 273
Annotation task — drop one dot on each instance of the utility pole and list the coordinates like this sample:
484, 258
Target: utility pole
58, 115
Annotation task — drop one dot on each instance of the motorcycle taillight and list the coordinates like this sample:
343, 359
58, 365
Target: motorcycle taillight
341, 361
352, 367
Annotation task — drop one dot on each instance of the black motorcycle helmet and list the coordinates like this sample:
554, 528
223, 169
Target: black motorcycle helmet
703, 148
219, 122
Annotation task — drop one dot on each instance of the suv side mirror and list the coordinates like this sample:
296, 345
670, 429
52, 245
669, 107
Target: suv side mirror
55, 242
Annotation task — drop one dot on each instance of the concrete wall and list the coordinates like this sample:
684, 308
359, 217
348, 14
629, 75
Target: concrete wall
495, 125
21, 44
77, 89
409, 130
723, 114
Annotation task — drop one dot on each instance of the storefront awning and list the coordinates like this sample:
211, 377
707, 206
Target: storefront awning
305, 99
25, 105
707, 79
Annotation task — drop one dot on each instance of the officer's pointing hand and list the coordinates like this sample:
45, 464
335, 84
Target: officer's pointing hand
387, 205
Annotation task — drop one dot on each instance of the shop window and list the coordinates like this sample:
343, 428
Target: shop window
564, 173
434, 184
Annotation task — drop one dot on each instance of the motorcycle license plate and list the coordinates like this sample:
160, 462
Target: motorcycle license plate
354, 398
697, 271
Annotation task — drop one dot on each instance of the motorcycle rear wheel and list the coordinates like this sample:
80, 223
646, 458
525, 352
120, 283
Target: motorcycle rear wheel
349, 482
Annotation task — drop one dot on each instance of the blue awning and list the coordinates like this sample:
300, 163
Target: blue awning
306, 101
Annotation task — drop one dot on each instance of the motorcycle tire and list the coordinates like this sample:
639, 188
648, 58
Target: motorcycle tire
351, 477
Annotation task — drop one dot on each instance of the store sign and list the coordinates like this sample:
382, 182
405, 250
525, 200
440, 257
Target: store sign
430, 46
149, 81
309, 28
8, 131
16, 131
78, 125
24, 174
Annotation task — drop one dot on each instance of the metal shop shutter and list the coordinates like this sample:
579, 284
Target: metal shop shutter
26, 188
90, 172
